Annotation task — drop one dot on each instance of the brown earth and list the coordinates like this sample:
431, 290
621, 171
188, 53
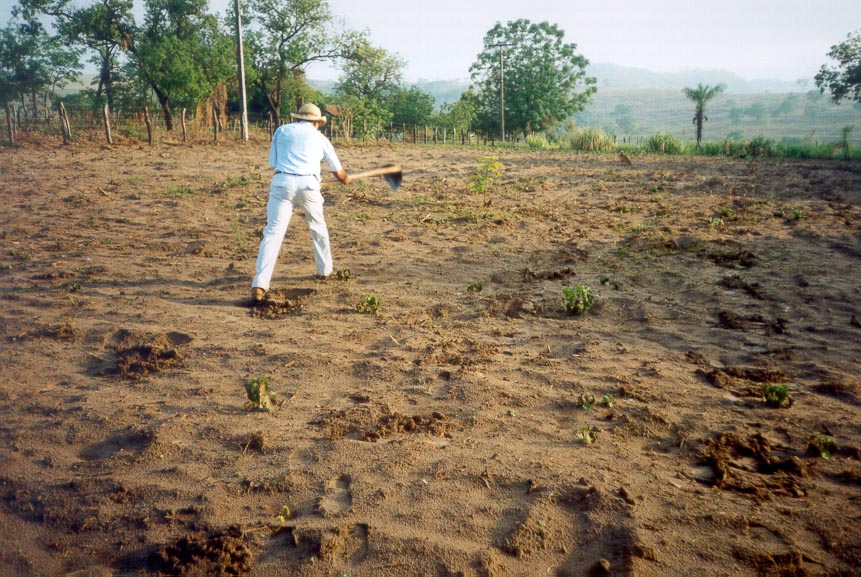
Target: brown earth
471, 426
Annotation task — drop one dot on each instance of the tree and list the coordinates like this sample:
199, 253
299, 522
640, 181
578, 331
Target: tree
32, 63
541, 79
412, 106
284, 37
182, 53
461, 115
700, 96
844, 80
372, 74
105, 27
371, 82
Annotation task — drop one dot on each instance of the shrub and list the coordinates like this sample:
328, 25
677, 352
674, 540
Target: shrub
761, 147
578, 299
592, 140
537, 142
664, 143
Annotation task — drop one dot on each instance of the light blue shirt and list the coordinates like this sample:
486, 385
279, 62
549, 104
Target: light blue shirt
298, 148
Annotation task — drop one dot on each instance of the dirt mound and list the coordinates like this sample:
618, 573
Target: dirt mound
219, 552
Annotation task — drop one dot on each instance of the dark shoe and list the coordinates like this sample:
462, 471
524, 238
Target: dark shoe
322, 278
257, 294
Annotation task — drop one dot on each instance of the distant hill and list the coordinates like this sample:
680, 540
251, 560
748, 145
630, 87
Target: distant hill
615, 77
626, 77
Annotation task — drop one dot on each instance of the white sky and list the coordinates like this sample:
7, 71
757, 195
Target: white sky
439, 39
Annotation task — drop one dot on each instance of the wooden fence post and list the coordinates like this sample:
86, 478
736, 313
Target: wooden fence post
65, 125
107, 117
184, 130
10, 127
148, 124
214, 124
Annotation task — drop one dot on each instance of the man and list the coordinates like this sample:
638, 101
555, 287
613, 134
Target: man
296, 152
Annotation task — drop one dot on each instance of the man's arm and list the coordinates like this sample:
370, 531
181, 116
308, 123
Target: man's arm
342, 176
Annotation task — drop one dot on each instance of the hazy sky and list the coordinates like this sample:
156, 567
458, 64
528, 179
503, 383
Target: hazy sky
439, 39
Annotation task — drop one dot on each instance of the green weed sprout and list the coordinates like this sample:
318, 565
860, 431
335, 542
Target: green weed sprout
822, 446
369, 305
588, 435
489, 169
586, 401
259, 395
776, 395
578, 299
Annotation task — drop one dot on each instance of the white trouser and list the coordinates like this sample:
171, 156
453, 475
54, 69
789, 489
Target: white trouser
286, 192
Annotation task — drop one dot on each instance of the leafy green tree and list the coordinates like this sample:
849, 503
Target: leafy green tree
372, 78
284, 37
181, 53
32, 63
372, 74
544, 78
786, 106
844, 80
757, 111
461, 115
360, 117
104, 27
700, 96
412, 106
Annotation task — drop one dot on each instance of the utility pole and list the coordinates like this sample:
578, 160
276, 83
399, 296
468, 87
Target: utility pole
243, 120
501, 88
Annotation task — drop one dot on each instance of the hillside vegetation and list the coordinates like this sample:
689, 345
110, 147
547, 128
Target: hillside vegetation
794, 116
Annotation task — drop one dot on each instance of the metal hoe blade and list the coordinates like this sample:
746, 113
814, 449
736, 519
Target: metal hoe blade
394, 180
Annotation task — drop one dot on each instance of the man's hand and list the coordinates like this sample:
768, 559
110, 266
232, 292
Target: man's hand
343, 176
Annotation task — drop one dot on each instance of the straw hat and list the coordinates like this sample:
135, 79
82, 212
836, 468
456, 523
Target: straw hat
309, 112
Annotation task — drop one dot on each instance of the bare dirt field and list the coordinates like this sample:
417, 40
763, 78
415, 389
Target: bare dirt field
701, 418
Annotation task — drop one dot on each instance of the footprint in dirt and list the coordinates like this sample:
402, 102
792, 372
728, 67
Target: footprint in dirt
338, 498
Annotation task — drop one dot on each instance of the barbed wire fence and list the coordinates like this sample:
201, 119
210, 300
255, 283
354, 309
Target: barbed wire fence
124, 127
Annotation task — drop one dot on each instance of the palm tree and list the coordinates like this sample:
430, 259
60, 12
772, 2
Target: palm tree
700, 96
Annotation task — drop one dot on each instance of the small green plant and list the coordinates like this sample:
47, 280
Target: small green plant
798, 214
259, 395
726, 212
587, 435
821, 446
475, 287
608, 400
578, 299
181, 190
482, 180
283, 515
369, 305
586, 401
343, 274
715, 222
776, 395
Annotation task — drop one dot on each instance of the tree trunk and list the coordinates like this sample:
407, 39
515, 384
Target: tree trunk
164, 102
184, 132
299, 78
